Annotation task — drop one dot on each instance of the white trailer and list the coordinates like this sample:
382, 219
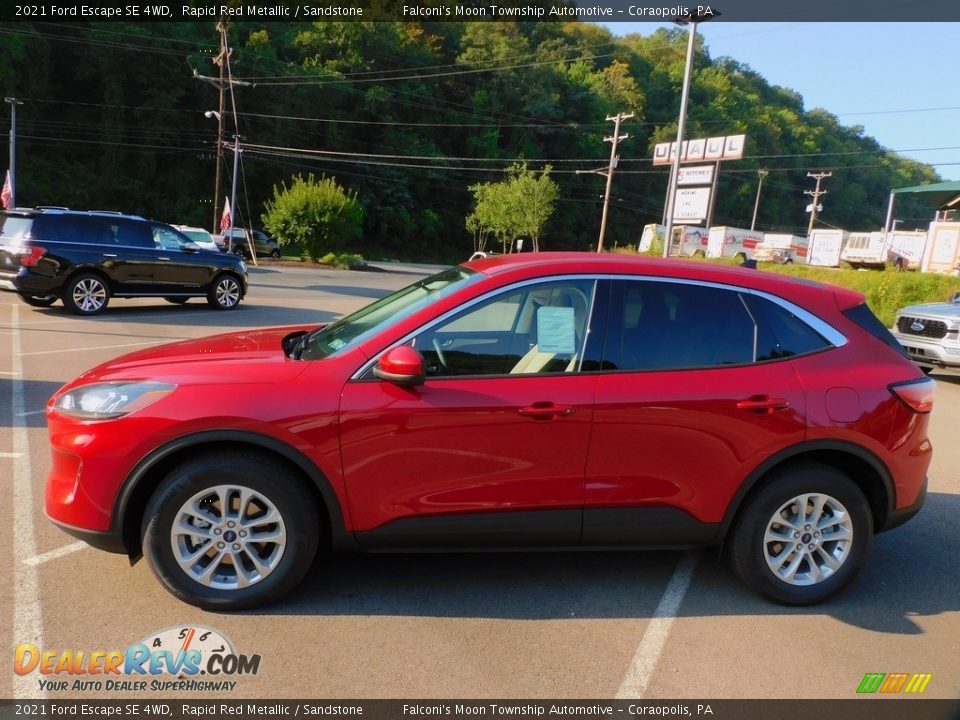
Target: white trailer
651, 232
728, 242
825, 247
906, 247
943, 248
865, 249
782, 248
689, 241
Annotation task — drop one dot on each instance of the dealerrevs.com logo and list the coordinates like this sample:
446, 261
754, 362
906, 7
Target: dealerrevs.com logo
890, 683
186, 659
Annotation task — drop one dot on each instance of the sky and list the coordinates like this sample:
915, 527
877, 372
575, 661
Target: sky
891, 78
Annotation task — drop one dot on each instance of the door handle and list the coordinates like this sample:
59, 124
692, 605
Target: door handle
163, 258
763, 404
109, 254
546, 411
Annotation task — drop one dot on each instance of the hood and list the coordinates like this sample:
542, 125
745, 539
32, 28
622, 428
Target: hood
941, 310
206, 359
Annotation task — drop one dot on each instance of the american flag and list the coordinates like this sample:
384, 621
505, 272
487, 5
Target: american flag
6, 195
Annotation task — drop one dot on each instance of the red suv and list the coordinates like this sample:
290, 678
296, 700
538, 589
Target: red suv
534, 400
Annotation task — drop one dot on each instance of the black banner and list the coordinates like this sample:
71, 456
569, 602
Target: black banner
488, 10
874, 708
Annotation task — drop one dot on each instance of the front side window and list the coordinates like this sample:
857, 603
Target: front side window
533, 329
167, 238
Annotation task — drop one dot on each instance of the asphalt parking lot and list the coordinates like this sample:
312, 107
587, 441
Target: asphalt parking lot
530, 625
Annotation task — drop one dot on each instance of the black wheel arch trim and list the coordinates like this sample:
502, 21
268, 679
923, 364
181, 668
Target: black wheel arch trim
857, 451
301, 461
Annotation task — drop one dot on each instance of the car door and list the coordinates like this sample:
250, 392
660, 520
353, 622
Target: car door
692, 398
181, 267
490, 449
126, 254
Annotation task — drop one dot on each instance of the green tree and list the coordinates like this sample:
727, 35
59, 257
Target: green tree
316, 217
516, 207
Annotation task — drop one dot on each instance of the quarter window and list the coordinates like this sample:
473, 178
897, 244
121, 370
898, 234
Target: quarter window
780, 333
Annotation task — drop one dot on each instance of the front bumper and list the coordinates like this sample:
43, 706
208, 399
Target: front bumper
931, 353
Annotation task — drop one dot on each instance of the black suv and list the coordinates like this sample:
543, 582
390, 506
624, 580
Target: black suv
85, 258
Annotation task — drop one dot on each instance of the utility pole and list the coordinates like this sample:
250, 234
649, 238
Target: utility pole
815, 194
613, 140
220, 61
222, 82
756, 205
13, 148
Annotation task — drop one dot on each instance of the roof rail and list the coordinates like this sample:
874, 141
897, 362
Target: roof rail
106, 212
50, 207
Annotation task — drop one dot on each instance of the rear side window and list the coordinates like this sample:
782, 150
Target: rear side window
666, 326
780, 333
66, 229
864, 317
12, 226
125, 233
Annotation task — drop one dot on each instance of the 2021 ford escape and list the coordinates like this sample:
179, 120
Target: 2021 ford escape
551, 399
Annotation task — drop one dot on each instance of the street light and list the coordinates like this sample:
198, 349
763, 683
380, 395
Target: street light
756, 205
216, 183
703, 16
233, 192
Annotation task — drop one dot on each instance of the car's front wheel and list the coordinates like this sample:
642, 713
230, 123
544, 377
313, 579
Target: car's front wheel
86, 294
224, 292
230, 531
803, 536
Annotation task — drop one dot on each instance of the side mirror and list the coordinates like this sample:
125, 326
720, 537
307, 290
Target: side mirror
401, 365
190, 247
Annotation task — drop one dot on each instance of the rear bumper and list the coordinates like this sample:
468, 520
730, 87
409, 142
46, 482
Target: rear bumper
896, 518
108, 541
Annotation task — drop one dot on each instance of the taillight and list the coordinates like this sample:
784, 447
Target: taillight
35, 253
916, 394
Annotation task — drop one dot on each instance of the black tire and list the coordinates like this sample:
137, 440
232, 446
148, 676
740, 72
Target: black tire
748, 551
39, 301
176, 300
275, 254
267, 480
86, 294
225, 292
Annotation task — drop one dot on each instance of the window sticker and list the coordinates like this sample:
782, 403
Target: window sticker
555, 330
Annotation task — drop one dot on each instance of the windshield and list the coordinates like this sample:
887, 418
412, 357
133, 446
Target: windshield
199, 236
385, 312
12, 226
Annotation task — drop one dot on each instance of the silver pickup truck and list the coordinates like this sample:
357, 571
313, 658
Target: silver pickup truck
931, 333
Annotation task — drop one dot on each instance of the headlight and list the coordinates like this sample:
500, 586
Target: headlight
103, 401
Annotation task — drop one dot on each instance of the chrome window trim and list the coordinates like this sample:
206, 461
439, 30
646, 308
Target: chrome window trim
824, 329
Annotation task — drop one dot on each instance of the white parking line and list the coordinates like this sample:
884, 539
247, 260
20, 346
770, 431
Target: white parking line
13, 455
31, 412
99, 347
27, 617
54, 554
645, 659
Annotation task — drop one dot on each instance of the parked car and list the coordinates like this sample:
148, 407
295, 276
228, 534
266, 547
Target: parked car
86, 258
262, 245
528, 400
931, 333
199, 236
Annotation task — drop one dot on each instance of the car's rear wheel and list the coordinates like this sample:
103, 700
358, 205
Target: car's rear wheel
86, 294
34, 301
803, 536
176, 300
275, 254
230, 531
224, 292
